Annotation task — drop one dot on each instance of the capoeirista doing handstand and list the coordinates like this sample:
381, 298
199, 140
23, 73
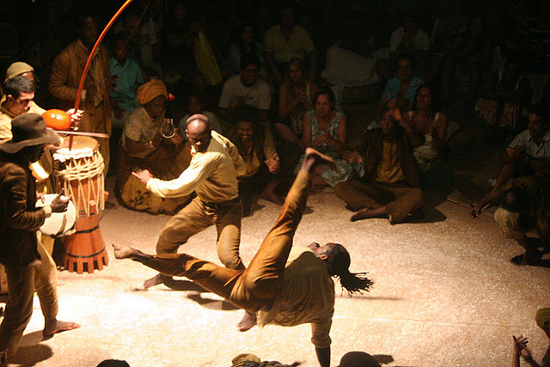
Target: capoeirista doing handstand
280, 278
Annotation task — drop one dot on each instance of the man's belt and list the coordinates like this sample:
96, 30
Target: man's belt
222, 204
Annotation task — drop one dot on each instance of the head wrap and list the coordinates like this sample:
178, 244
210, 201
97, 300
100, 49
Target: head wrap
148, 91
18, 68
543, 318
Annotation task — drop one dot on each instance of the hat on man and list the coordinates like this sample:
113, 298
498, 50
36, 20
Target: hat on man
542, 318
18, 68
29, 129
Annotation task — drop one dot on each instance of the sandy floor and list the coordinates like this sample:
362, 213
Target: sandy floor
445, 292
445, 295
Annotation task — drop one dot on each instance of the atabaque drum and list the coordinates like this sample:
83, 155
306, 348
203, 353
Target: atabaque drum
79, 170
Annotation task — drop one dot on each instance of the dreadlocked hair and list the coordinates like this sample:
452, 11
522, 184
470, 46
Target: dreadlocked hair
338, 262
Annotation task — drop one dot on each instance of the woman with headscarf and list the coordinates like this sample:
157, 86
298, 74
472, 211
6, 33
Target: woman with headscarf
144, 147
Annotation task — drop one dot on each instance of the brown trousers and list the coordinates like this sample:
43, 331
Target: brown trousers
399, 200
258, 286
196, 217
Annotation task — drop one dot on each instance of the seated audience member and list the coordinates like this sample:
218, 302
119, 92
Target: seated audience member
401, 90
527, 154
144, 147
138, 28
206, 54
542, 318
533, 43
525, 207
295, 98
358, 359
406, 40
250, 360
113, 363
527, 160
390, 186
470, 54
257, 147
128, 78
195, 105
179, 30
503, 96
286, 41
447, 26
245, 43
430, 157
325, 130
246, 88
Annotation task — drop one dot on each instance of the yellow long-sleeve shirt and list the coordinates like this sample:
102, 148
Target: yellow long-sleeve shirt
212, 174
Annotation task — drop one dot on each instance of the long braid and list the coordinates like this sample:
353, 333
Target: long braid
338, 262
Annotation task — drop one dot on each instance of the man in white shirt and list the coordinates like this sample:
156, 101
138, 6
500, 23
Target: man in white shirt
246, 88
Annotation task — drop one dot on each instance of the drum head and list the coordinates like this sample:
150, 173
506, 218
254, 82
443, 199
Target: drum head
83, 146
58, 224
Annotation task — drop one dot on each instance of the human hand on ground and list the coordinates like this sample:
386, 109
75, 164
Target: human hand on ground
476, 209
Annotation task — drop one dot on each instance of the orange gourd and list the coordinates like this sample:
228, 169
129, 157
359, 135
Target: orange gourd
57, 119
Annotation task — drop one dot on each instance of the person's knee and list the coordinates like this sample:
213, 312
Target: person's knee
230, 258
165, 243
508, 224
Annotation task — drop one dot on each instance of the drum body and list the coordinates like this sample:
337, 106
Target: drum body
79, 171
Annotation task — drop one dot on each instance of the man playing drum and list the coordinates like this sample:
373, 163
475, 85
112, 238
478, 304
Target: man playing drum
19, 88
20, 251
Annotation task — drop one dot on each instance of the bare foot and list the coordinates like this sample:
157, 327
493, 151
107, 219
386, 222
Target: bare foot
124, 252
367, 213
314, 158
247, 322
156, 280
270, 196
55, 327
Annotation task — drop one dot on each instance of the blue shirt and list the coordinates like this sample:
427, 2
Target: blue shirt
128, 79
394, 85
